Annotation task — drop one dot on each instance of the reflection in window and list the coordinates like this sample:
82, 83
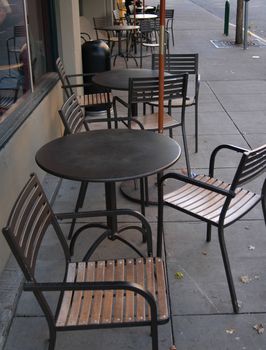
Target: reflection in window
16, 74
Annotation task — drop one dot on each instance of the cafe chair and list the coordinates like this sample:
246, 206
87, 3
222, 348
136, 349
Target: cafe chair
15, 42
109, 37
216, 202
9, 92
149, 37
92, 294
101, 100
180, 64
169, 17
146, 90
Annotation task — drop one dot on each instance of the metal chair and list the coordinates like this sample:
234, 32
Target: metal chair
15, 42
216, 202
8, 94
101, 100
180, 64
149, 36
101, 22
169, 17
92, 294
146, 90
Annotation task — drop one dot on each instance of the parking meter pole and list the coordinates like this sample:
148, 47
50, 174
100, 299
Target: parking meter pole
245, 44
226, 17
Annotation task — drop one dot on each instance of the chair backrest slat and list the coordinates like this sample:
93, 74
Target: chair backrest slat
178, 63
143, 90
64, 78
252, 164
72, 116
27, 225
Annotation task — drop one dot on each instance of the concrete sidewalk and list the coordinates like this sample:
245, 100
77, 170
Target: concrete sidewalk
232, 109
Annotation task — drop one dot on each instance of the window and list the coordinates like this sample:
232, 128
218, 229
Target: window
22, 43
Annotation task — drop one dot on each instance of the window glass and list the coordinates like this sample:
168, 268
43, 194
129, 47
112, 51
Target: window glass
14, 67
17, 76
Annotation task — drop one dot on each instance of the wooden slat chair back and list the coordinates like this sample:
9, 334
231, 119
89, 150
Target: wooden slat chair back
72, 116
180, 64
93, 294
216, 202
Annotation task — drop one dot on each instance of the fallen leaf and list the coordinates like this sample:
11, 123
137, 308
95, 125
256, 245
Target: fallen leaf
259, 328
255, 57
245, 279
230, 331
204, 253
251, 247
179, 275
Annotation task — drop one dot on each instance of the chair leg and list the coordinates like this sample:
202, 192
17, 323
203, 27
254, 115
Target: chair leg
209, 232
52, 340
196, 128
160, 220
79, 204
228, 270
109, 124
263, 200
186, 149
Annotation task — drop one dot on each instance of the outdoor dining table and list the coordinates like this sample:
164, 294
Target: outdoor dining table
108, 156
119, 29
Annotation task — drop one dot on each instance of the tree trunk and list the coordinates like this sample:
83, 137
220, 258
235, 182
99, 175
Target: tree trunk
239, 22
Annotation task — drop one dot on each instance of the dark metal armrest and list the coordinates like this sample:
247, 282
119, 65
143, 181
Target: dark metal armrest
116, 98
219, 148
196, 182
104, 285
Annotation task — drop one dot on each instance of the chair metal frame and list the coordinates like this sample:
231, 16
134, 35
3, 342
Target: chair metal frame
146, 90
26, 227
218, 203
12, 44
180, 64
101, 99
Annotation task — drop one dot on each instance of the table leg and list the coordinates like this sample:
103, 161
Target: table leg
110, 200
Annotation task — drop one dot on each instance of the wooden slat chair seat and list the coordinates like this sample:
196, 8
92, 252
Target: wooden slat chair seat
150, 122
82, 308
92, 294
94, 99
216, 202
207, 205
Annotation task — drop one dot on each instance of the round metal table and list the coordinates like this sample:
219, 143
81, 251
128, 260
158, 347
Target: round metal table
117, 79
108, 156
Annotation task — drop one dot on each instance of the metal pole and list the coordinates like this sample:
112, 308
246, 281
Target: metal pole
245, 44
226, 17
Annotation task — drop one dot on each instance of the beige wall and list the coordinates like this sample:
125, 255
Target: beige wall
17, 157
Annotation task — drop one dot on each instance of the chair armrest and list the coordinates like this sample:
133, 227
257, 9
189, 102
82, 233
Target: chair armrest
104, 285
124, 103
196, 182
219, 148
80, 75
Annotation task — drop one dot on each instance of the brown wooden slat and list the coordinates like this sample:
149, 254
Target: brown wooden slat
77, 297
119, 300
161, 292
66, 302
140, 266
108, 295
87, 296
150, 281
98, 295
130, 303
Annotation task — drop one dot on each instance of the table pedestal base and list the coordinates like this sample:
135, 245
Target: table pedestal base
131, 190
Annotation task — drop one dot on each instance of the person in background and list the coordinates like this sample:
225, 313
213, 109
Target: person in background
4, 10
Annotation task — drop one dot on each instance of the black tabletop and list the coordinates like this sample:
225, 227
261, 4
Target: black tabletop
117, 79
108, 155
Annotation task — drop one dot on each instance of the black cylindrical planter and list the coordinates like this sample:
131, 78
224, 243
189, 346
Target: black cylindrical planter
96, 57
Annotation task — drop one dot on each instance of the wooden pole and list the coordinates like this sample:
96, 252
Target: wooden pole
134, 12
161, 66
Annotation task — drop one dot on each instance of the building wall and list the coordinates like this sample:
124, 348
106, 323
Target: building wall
17, 158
